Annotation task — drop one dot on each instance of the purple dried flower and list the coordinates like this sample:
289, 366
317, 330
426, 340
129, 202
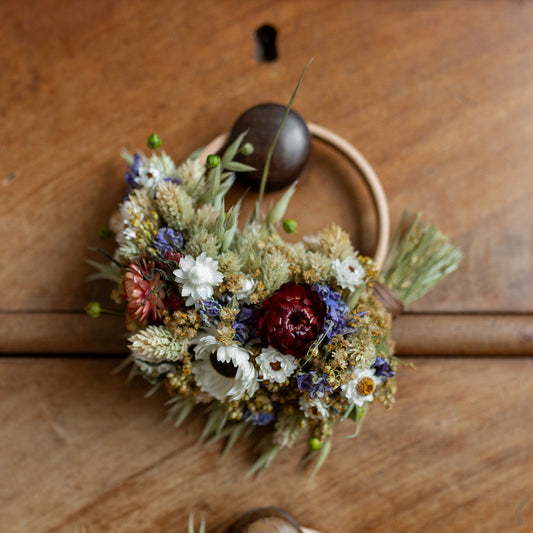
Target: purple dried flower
338, 313
258, 419
208, 309
133, 170
383, 368
176, 181
245, 324
314, 384
167, 239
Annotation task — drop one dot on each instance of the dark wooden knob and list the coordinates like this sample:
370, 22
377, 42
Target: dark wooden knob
266, 520
292, 149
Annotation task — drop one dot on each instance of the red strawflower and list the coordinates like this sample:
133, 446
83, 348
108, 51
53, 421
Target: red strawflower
292, 318
144, 296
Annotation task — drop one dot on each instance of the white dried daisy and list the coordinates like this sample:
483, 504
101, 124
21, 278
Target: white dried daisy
149, 178
198, 277
349, 272
313, 408
360, 389
276, 366
224, 372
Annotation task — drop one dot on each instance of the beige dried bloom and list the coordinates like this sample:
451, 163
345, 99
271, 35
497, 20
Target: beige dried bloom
335, 243
201, 240
175, 205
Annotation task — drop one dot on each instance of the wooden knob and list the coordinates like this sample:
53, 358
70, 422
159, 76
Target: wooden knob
266, 520
292, 149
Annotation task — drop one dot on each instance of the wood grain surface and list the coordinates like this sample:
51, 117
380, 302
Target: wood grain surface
82, 450
437, 96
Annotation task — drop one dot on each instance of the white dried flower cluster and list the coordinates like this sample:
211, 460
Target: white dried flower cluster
198, 276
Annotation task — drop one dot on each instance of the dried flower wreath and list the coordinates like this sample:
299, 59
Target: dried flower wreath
293, 336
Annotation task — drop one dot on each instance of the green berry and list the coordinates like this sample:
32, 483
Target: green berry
290, 226
247, 149
154, 141
314, 444
93, 309
212, 161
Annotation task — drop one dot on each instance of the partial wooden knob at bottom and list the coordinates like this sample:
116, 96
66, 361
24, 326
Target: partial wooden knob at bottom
268, 520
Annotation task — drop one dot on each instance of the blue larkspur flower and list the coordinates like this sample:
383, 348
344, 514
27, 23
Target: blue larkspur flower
208, 309
338, 313
167, 239
245, 324
258, 419
133, 170
314, 384
382, 368
176, 181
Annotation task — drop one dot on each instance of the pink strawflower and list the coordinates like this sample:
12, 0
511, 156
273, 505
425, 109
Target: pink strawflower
144, 296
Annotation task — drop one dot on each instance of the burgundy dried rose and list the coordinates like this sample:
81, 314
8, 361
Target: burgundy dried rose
292, 318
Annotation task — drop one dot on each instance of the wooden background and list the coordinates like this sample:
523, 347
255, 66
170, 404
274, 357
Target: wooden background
439, 98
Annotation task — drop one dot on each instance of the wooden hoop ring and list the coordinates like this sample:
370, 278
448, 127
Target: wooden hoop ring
358, 162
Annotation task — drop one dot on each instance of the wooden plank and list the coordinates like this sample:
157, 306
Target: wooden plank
414, 334
436, 95
82, 450
420, 334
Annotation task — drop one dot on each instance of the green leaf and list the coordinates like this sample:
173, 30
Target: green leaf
235, 166
105, 271
236, 432
215, 421
127, 157
266, 168
322, 456
278, 211
232, 149
358, 416
263, 462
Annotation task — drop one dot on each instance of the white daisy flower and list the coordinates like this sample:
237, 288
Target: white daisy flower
149, 178
198, 277
360, 389
224, 372
349, 272
313, 408
276, 366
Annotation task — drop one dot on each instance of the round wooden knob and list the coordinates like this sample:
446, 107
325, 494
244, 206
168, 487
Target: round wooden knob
292, 149
266, 520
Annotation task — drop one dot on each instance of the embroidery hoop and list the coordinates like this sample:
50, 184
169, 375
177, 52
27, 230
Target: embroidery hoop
360, 164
